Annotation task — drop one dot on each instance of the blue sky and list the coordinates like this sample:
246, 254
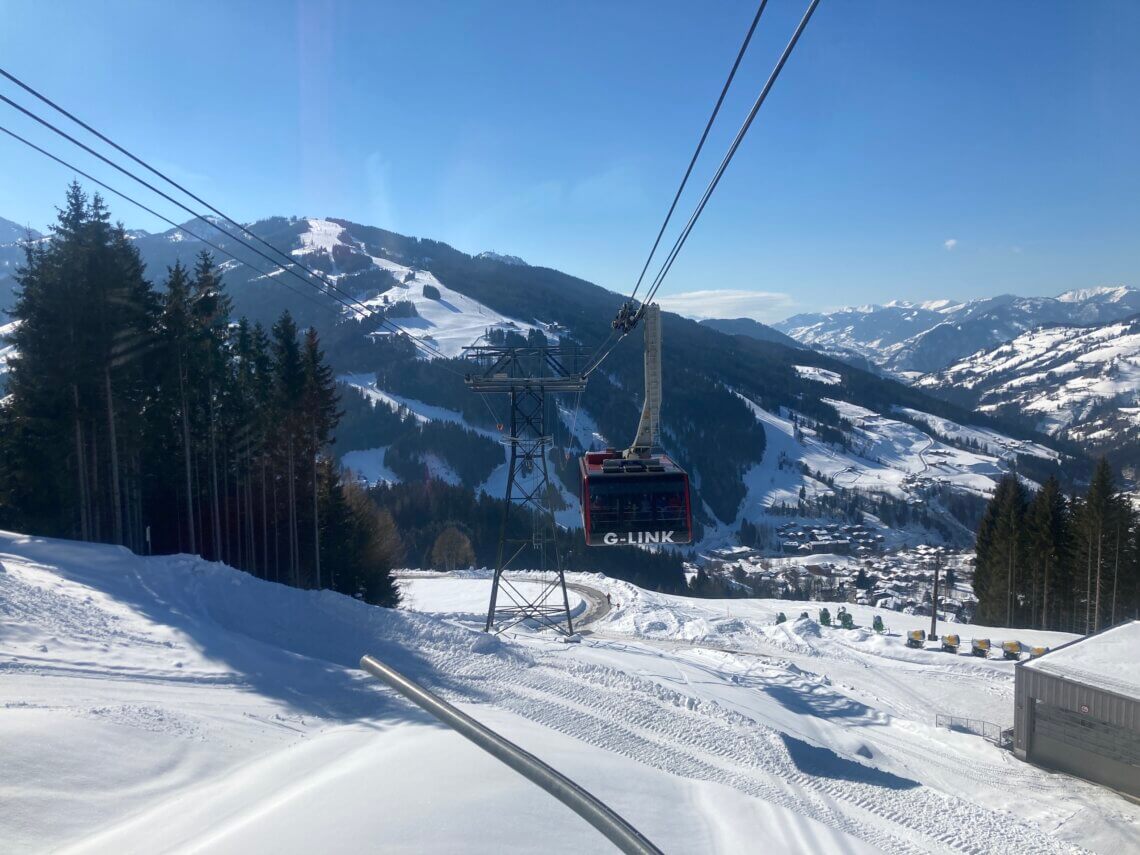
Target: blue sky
910, 150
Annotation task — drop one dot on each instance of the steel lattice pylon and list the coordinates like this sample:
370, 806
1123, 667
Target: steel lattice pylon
526, 374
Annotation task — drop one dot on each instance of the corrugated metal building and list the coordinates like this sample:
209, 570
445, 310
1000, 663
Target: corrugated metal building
1077, 708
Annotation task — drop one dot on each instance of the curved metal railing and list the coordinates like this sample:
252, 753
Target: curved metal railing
619, 832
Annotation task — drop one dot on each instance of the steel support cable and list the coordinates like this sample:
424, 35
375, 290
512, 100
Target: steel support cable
600, 354
680, 242
700, 143
148, 185
169, 181
359, 308
154, 213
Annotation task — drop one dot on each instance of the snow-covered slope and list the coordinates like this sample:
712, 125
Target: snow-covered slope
11, 232
904, 337
7, 350
368, 464
881, 455
854, 711
11, 257
172, 704
1079, 382
444, 319
909, 460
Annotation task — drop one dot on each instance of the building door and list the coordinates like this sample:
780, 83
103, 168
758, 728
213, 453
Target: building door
1086, 747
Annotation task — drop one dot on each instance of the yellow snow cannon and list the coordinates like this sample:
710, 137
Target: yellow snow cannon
916, 638
1011, 649
950, 643
1034, 652
980, 647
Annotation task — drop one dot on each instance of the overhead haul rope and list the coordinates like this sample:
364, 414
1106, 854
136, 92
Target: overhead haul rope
600, 353
700, 143
352, 304
244, 229
629, 317
304, 294
680, 242
154, 213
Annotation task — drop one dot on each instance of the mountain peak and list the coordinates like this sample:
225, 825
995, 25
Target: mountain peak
1109, 293
11, 232
502, 259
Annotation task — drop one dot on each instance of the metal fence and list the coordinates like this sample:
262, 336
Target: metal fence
998, 735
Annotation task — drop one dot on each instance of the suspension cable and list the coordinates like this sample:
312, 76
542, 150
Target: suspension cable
353, 305
154, 213
667, 265
680, 242
700, 143
289, 259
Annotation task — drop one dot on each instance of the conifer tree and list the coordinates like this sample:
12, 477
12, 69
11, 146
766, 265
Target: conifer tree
1102, 514
1047, 534
288, 391
319, 402
134, 414
1000, 547
179, 334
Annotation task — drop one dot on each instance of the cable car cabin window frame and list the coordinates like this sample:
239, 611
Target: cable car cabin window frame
649, 518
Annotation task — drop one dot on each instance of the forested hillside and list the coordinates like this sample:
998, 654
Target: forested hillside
409, 420
151, 417
1048, 560
1081, 383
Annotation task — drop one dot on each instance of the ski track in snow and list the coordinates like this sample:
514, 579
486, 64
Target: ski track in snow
188, 670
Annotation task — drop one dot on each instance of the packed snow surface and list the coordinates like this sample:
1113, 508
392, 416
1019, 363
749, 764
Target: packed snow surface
1106, 661
170, 703
819, 375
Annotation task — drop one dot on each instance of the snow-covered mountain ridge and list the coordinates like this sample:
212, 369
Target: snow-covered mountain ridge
907, 339
1081, 383
11, 232
735, 453
503, 259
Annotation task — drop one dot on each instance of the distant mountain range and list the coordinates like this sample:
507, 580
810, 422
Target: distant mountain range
911, 339
11, 232
766, 427
1077, 382
752, 329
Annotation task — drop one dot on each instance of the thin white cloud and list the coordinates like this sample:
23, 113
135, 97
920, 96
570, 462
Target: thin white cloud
950, 243
728, 303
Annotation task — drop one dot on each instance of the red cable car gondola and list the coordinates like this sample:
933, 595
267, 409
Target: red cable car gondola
638, 496
631, 502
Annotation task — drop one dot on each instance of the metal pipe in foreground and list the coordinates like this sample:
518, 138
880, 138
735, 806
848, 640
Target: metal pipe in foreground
619, 832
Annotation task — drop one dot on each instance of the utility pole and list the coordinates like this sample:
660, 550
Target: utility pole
934, 600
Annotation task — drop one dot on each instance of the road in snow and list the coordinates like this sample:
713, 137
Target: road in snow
173, 702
